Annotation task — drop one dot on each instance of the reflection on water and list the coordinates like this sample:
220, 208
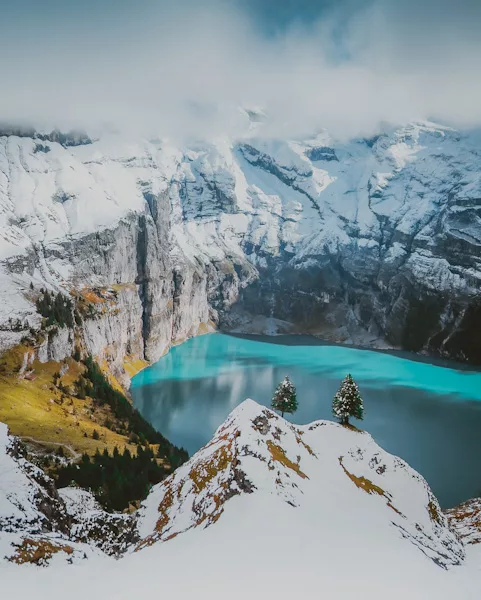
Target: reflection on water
428, 415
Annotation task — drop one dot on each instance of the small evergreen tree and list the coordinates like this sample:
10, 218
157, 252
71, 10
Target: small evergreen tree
285, 399
348, 401
81, 388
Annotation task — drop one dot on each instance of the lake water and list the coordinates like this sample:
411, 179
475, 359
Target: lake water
428, 414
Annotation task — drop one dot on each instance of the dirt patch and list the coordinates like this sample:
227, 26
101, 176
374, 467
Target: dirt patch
352, 427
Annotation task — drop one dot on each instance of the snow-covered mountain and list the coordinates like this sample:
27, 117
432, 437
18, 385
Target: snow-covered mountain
375, 241
266, 510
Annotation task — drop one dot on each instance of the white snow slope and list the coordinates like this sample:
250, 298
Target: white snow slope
272, 510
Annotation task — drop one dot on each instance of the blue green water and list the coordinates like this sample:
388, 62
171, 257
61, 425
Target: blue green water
430, 415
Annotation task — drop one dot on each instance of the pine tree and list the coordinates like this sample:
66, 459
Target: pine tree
284, 399
348, 401
81, 388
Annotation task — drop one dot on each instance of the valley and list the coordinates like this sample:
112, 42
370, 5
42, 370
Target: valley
240, 300
118, 254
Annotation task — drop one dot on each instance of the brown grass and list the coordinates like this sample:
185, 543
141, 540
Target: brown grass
433, 512
303, 443
205, 328
92, 297
133, 365
40, 410
163, 520
278, 455
164, 508
201, 475
368, 486
205, 471
37, 552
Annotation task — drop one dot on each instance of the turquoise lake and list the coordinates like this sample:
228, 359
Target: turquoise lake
428, 414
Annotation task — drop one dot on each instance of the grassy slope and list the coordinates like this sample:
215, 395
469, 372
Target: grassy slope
40, 410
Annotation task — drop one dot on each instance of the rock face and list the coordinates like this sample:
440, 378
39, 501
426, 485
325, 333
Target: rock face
372, 241
465, 520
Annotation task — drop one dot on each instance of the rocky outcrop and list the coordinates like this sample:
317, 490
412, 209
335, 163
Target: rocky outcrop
112, 533
56, 345
372, 241
465, 520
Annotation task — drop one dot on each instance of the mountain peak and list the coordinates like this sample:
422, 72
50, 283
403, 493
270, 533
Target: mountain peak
340, 471
325, 497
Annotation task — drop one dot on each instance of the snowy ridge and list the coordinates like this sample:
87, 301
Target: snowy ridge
257, 453
349, 517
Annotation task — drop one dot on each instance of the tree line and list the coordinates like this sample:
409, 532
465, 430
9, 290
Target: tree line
116, 480
93, 383
56, 308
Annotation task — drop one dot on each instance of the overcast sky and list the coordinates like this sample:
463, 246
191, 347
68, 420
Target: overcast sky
182, 68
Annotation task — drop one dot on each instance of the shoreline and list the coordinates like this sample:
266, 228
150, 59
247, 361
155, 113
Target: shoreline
292, 339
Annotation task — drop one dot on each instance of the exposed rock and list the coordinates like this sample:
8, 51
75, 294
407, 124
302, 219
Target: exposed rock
259, 477
376, 242
465, 520
114, 534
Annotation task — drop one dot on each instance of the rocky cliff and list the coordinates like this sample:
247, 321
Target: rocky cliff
373, 241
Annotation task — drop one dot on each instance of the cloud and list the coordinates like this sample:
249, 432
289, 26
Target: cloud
183, 70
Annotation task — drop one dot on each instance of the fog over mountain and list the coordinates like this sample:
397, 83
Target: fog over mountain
183, 69
306, 169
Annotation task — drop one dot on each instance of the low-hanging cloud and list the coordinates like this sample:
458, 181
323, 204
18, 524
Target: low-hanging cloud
184, 70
